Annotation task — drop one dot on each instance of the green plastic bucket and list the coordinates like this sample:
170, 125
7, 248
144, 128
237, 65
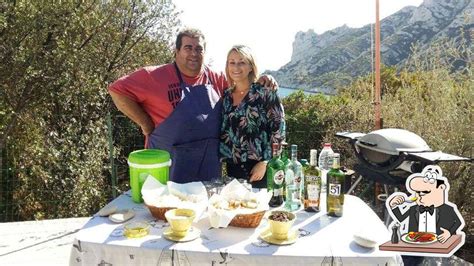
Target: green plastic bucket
147, 162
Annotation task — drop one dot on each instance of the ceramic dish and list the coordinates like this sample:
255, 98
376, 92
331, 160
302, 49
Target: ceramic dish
267, 236
136, 229
192, 234
364, 241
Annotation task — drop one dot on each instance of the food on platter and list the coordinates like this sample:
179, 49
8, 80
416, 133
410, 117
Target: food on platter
419, 237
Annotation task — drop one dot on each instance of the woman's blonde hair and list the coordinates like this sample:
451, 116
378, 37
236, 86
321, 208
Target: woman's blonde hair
246, 52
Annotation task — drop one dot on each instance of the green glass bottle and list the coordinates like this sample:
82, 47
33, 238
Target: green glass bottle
275, 177
335, 183
289, 174
312, 184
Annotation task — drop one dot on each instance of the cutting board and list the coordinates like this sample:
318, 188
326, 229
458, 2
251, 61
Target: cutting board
436, 247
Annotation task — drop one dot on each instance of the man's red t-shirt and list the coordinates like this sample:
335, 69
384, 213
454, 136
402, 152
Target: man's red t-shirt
156, 88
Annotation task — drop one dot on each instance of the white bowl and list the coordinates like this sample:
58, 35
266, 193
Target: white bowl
364, 241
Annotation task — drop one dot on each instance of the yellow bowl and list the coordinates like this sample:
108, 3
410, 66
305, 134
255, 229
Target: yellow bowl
280, 229
180, 221
136, 229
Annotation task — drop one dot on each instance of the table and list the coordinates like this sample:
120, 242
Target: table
323, 240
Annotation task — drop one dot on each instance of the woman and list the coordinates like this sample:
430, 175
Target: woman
251, 119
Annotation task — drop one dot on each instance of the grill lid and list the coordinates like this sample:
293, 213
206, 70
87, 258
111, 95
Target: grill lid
392, 141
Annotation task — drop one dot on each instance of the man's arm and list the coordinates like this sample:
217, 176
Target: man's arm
133, 111
398, 214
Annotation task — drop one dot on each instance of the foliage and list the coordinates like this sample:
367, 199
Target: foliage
57, 59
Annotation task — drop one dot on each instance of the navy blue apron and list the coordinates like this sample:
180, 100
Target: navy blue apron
191, 133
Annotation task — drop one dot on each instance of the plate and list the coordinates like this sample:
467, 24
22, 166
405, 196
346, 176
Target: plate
406, 239
192, 234
122, 216
267, 236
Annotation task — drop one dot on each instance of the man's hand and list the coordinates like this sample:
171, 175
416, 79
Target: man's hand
397, 200
444, 236
258, 171
268, 81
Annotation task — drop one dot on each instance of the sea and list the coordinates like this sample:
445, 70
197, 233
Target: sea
283, 92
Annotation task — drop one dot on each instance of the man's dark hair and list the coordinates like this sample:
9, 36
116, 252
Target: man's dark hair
191, 33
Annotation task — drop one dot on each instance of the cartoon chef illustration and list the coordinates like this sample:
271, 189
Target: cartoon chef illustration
430, 211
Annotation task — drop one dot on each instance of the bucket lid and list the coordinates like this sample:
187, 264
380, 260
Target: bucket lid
148, 156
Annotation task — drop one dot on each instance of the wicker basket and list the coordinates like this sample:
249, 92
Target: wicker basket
159, 212
247, 220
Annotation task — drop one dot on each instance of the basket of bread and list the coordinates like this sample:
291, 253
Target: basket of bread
160, 198
237, 206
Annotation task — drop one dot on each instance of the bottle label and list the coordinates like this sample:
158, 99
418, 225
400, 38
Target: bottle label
334, 189
313, 192
279, 177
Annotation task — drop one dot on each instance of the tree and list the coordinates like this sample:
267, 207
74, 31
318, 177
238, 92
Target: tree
57, 60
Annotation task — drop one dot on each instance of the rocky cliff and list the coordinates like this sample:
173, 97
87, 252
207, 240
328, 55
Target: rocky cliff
326, 60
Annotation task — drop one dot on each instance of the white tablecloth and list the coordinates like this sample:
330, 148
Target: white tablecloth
323, 240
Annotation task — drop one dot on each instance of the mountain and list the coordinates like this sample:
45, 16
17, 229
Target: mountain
324, 61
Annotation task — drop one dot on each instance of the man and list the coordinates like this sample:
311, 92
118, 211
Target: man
177, 108
432, 212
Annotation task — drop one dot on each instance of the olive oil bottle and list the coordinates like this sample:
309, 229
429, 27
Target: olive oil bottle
335, 183
312, 184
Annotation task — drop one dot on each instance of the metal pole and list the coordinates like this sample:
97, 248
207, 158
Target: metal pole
377, 100
111, 156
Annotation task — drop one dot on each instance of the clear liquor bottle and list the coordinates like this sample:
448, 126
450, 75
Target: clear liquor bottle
335, 195
312, 184
299, 176
324, 164
275, 177
289, 187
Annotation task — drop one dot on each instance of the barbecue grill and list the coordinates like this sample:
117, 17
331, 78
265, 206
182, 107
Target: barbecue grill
388, 156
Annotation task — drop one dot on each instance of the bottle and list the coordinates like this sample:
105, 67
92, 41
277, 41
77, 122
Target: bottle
299, 176
312, 184
323, 161
335, 195
290, 188
275, 177
324, 164
289, 174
